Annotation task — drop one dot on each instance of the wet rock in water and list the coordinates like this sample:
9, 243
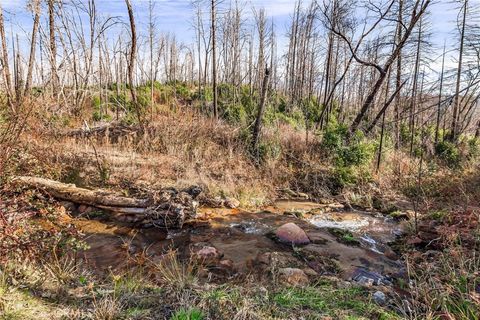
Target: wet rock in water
368, 278
231, 203
292, 234
293, 276
380, 298
317, 238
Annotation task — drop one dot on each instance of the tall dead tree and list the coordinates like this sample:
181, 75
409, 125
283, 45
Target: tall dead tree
457, 101
413, 99
398, 79
261, 110
131, 62
53, 47
419, 9
214, 61
35, 6
5, 61
437, 124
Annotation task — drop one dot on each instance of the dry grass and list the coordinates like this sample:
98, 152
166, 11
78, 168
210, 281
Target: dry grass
107, 308
175, 275
444, 287
179, 149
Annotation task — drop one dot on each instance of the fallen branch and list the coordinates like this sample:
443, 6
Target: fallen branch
167, 208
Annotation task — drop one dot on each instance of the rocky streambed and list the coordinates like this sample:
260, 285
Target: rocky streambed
298, 240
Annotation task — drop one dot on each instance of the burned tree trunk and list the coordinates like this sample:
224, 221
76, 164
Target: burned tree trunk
5, 61
133, 55
31, 61
261, 110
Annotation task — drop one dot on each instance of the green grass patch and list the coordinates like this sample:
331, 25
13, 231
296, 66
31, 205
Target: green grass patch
188, 314
327, 300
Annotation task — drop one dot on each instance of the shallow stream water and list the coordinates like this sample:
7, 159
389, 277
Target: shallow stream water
244, 237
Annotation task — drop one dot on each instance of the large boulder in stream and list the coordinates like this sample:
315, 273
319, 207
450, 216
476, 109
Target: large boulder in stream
290, 233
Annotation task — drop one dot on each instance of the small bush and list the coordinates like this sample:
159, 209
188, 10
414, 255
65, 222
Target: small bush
349, 157
448, 153
473, 148
188, 314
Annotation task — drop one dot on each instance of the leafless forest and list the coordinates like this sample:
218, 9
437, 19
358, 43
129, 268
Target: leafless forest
324, 167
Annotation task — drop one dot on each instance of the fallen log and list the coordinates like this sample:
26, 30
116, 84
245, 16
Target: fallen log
113, 131
167, 208
72, 193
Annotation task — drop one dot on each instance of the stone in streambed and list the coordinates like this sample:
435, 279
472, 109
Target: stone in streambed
208, 255
292, 234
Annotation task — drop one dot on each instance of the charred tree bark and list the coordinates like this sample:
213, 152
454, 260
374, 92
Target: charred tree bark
5, 61
33, 46
261, 109
131, 62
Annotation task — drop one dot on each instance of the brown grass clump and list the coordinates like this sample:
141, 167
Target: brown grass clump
178, 149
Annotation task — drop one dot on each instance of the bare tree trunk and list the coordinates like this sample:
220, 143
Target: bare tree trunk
214, 63
417, 15
131, 62
399, 74
31, 60
456, 103
53, 47
414, 90
437, 126
5, 61
261, 109
382, 133
151, 30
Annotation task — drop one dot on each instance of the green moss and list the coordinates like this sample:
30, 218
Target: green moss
344, 236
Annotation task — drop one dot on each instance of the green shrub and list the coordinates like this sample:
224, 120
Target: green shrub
448, 153
269, 150
188, 314
312, 111
234, 113
349, 157
473, 148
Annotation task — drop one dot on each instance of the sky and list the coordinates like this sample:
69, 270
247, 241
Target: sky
176, 16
